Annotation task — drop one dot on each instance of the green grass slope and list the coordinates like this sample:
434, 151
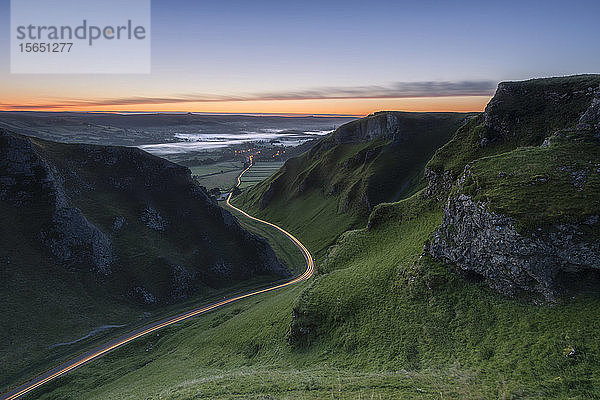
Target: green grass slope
381, 321
540, 186
520, 114
390, 307
334, 186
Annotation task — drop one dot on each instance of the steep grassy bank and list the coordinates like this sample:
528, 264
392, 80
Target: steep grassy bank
334, 186
392, 307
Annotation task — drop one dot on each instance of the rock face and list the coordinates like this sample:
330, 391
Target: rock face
479, 241
439, 184
29, 181
382, 124
154, 220
527, 112
134, 222
398, 126
74, 240
590, 119
476, 240
23, 175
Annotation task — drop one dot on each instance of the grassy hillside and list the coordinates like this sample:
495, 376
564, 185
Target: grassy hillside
382, 321
392, 307
67, 209
540, 186
334, 186
520, 114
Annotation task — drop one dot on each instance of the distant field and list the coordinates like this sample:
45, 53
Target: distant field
224, 166
259, 172
223, 175
220, 175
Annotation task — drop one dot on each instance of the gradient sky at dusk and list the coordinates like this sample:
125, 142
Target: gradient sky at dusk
346, 57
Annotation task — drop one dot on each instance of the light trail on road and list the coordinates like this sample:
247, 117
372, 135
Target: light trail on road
101, 350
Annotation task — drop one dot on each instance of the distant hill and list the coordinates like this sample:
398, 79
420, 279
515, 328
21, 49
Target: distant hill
137, 129
376, 159
91, 234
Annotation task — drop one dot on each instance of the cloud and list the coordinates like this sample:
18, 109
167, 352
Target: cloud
395, 90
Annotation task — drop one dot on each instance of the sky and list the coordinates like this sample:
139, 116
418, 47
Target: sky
325, 57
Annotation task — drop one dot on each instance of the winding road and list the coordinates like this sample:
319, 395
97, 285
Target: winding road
101, 350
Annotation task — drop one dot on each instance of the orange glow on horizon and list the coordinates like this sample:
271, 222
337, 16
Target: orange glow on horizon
358, 107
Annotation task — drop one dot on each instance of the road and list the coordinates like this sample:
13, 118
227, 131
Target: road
101, 350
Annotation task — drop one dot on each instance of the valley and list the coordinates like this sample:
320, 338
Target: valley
100, 351
315, 200
456, 257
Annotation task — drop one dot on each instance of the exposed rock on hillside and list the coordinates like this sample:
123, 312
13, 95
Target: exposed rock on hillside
527, 112
379, 125
590, 119
28, 181
525, 219
74, 240
394, 125
438, 184
138, 222
483, 242
154, 220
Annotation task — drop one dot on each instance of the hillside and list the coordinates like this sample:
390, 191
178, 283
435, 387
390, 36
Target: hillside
381, 322
524, 188
401, 308
96, 236
520, 114
523, 222
363, 163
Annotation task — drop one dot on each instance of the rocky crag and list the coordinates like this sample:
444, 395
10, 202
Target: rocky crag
133, 222
525, 215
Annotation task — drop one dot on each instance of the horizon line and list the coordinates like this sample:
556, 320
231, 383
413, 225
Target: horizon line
233, 113
122, 112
